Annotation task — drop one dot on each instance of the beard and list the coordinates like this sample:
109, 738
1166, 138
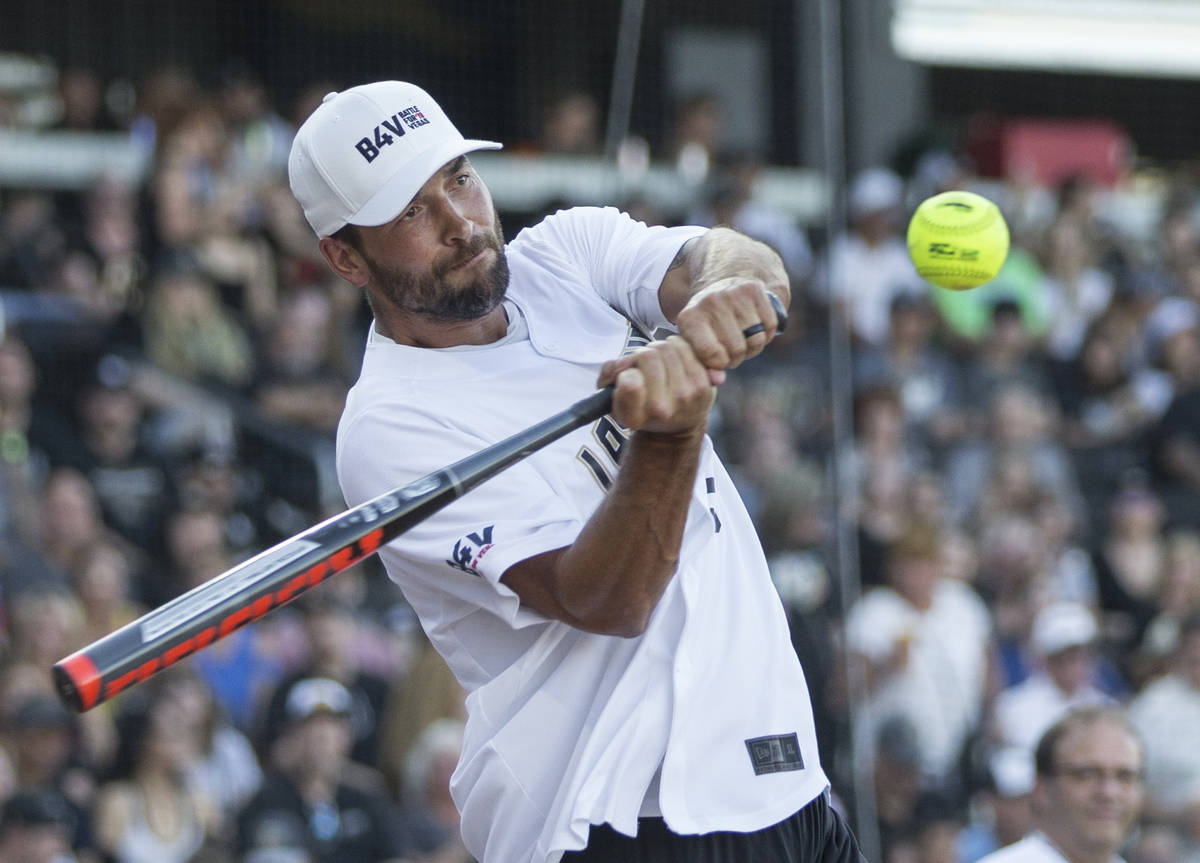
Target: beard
432, 296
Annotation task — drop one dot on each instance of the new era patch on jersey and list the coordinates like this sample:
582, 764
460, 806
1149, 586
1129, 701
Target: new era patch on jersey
775, 754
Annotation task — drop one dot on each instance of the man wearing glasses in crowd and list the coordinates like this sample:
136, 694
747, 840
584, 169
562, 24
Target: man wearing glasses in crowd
1088, 793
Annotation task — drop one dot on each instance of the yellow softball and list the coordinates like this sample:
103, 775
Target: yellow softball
958, 240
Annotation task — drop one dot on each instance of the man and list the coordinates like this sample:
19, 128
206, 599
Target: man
1002, 809
1063, 638
632, 686
922, 641
329, 623
1088, 791
36, 827
306, 796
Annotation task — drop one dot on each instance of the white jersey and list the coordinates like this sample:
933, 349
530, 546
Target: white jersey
1034, 848
568, 728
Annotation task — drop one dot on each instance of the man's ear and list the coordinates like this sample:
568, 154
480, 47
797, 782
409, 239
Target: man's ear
345, 260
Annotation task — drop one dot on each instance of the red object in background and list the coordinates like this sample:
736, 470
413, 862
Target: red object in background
1049, 150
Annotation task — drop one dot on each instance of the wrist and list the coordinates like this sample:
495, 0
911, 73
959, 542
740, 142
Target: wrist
682, 437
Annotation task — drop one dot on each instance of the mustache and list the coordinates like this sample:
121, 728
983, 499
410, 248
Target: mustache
471, 248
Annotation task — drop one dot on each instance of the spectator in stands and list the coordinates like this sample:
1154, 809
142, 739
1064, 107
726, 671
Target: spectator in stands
211, 477
205, 211
330, 624
695, 135
428, 806
1075, 290
44, 625
1088, 792
1012, 582
938, 824
729, 199
31, 240
307, 787
571, 125
129, 480
1006, 356
301, 380
221, 764
923, 643
48, 758
1108, 405
425, 692
1178, 599
81, 105
108, 255
1171, 343
1130, 557
1064, 641
1020, 429
1068, 571
259, 138
102, 578
1167, 714
189, 332
31, 437
36, 827
881, 440
147, 812
69, 522
881, 467
1175, 439
868, 266
924, 375
242, 668
1001, 810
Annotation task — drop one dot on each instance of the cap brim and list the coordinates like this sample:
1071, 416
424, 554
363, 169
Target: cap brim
398, 192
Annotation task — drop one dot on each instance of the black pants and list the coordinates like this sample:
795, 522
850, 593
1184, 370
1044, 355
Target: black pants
815, 834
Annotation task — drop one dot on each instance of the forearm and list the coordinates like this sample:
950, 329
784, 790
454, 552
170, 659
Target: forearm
611, 578
718, 255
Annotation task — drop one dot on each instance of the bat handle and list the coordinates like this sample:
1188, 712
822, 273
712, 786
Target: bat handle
599, 403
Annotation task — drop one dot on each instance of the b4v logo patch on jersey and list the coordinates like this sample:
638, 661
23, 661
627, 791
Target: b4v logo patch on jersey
389, 130
469, 549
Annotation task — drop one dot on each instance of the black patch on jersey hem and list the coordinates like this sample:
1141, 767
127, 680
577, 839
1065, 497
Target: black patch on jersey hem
775, 754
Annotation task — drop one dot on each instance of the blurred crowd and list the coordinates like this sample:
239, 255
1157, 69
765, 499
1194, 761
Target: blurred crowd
1008, 526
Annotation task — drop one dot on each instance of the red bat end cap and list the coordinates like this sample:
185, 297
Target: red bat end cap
78, 681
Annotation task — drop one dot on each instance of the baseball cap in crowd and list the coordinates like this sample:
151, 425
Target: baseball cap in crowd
317, 695
1062, 625
875, 190
1011, 771
364, 153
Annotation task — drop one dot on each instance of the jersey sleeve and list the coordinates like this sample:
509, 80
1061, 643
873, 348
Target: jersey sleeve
464, 549
623, 259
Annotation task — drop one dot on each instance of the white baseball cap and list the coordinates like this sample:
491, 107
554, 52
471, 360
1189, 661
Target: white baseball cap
364, 153
316, 695
1062, 625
